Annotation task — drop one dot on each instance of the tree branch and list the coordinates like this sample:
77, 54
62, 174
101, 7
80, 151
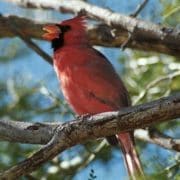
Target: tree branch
154, 83
137, 11
139, 8
15, 30
100, 125
145, 35
158, 138
78, 163
24, 132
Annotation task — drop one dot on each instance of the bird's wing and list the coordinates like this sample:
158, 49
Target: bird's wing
98, 77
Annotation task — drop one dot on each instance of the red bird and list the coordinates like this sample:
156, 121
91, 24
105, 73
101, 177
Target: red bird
89, 81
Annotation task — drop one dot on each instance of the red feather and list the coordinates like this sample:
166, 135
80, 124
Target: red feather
90, 83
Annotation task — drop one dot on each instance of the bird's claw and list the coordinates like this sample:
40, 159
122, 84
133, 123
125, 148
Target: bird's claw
82, 117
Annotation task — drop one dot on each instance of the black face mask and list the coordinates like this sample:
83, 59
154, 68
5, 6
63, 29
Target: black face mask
59, 42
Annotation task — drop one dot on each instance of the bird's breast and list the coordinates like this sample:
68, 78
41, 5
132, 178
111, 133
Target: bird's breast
88, 81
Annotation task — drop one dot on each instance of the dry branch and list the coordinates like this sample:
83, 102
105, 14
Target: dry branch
158, 138
139, 8
100, 125
17, 31
24, 132
145, 35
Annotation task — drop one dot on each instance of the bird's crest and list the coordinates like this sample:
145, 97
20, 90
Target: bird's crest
76, 23
67, 32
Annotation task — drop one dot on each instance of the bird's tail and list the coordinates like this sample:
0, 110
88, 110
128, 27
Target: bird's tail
131, 158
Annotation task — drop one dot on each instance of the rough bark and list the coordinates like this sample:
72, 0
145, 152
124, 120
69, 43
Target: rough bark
158, 138
144, 35
24, 132
100, 125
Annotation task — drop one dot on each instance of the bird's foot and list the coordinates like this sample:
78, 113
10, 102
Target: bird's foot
82, 117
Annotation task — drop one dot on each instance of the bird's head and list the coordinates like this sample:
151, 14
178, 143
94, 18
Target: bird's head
68, 32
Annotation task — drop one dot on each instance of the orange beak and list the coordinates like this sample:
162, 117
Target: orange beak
53, 32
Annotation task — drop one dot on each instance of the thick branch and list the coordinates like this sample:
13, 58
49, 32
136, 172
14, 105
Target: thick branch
145, 35
24, 132
100, 125
30, 28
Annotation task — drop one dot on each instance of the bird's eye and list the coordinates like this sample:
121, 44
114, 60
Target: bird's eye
64, 28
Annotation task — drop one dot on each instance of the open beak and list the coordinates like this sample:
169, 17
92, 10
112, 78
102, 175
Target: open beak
52, 32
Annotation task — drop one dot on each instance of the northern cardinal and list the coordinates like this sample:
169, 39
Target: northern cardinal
89, 82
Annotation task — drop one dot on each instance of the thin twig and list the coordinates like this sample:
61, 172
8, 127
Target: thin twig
154, 83
156, 137
29, 42
130, 34
169, 169
83, 162
139, 8
93, 154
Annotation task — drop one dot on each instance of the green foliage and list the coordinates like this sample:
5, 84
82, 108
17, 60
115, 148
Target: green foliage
149, 77
12, 49
23, 101
171, 12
